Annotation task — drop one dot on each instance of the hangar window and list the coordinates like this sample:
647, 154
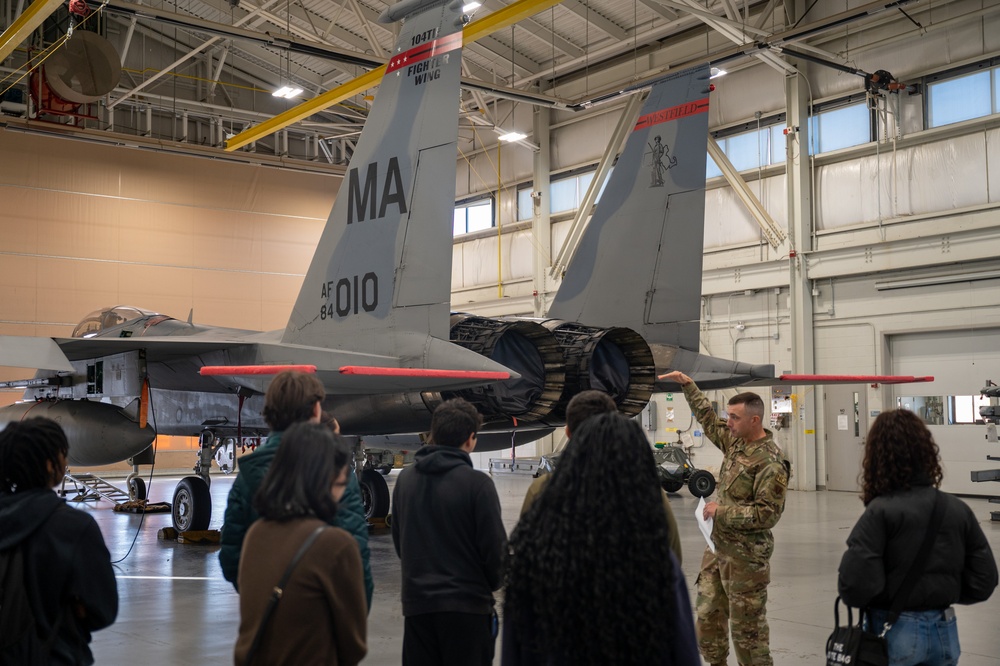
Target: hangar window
837, 124
965, 408
838, 128
963, 95
475, 215
525, 211
930, 408
566, 192
751, 149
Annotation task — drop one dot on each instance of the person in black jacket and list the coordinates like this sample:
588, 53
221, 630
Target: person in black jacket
68, 578
447, 531
901, 470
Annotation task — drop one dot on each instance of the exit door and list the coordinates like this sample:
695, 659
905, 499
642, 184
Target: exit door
846, 428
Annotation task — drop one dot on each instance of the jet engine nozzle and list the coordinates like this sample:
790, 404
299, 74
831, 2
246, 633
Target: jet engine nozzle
525, 347
614, 360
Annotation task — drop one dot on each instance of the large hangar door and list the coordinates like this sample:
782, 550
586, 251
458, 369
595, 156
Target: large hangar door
961, 361
846, 429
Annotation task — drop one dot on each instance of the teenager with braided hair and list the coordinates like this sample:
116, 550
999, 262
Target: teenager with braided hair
591, 578
68, 577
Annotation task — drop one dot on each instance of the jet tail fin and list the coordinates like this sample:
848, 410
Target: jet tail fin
377, 269
648, 229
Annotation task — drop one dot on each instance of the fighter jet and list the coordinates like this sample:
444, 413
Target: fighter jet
373, 313
371, 317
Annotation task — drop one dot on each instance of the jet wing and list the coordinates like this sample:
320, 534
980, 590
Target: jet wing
39, 353
710, 372
439, 366
810, 380
157, 348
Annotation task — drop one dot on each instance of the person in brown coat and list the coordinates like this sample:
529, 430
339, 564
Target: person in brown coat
321, 617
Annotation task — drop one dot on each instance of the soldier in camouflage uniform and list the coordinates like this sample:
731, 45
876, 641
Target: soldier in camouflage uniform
732, 585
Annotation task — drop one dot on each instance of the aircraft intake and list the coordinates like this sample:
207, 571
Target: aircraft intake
98, 433
522, 345
614, 360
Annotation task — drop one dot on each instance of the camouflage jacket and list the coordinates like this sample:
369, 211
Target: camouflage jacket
752, 485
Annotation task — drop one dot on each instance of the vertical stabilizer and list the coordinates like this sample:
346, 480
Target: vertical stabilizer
647, 232
380, 272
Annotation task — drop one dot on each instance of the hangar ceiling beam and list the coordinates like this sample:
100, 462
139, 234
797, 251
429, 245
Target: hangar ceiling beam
539, 31
772, 231
597, 20
190, 54
493, 49
367, 26
733, 31
668, 14
766, 14
504, 18
25, 24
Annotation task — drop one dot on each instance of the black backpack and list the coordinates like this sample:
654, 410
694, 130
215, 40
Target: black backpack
16, 618
19, 639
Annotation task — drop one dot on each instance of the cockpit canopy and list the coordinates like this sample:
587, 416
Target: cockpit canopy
105, 318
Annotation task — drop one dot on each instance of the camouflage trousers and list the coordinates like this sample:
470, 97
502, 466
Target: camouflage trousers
733, 592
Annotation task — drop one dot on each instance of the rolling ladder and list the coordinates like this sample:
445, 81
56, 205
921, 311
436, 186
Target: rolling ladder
91, 488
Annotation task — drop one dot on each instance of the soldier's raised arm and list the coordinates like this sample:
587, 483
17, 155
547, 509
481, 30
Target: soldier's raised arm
715, 428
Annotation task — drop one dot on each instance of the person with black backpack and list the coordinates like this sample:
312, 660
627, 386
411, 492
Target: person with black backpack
56, 581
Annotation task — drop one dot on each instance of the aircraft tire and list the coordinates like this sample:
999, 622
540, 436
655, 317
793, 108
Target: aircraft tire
374, 494
671, 486
701, 483
137, 488
192, 507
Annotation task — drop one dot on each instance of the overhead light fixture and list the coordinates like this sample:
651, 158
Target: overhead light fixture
468, 7
715, 73
287, 92
513, 136
936, 280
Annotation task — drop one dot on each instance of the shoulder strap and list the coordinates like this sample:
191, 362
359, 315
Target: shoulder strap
919, 562
279, 590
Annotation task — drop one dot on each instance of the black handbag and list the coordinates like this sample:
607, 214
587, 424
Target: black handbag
852, 644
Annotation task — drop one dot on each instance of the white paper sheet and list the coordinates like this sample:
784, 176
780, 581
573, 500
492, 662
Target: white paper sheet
704, 525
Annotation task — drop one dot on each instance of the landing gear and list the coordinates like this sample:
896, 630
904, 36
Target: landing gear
192, 508
137, 488
374, 495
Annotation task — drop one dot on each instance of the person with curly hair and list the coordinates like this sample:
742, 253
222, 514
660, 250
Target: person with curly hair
322, 614
68, 578
590, 577
900, 476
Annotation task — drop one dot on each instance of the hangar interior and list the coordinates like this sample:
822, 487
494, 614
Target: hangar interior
846, 231
872, 253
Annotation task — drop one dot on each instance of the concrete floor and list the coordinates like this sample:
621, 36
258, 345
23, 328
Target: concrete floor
176, 607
